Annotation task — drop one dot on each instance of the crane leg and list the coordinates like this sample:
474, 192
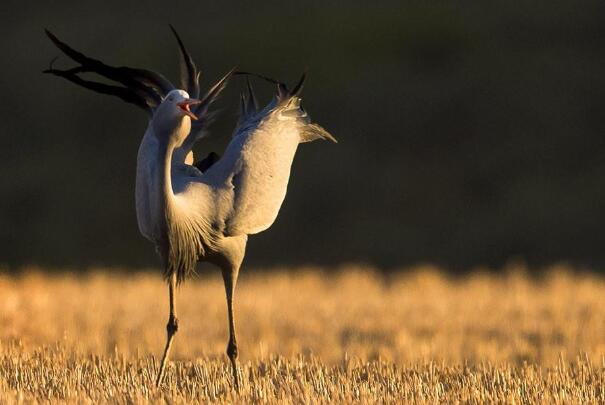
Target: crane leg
230, 279
171, 328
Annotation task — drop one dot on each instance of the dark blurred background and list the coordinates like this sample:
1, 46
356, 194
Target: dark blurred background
470, 132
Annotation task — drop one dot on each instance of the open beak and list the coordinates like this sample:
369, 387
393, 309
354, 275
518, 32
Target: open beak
184, 106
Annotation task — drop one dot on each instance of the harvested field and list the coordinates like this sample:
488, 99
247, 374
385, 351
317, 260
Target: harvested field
306, 335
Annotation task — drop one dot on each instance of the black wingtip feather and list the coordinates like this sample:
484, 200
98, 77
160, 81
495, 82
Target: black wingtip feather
189, 75
69, 51
50, 65
147, 85
299, 86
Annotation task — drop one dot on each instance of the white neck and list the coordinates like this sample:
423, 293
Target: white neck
165, 151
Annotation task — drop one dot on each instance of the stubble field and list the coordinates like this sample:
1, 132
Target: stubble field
306, 336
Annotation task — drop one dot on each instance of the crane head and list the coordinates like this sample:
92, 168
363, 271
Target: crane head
174, 113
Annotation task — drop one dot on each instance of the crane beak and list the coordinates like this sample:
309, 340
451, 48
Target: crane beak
184, 106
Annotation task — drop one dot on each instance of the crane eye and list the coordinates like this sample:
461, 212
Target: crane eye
170, 98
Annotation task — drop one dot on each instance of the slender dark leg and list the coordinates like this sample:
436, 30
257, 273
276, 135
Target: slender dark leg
171, 327
230, 279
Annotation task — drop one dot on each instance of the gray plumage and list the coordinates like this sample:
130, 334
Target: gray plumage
204, 213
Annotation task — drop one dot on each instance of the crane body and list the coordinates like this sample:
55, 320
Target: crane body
194, 215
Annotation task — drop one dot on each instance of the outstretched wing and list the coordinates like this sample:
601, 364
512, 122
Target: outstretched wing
141, 87
255, 168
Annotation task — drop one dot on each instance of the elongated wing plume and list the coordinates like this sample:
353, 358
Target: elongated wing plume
199, 126
190, 76
288, 103
282, 89
147, 86
125, 94
201, 110
212, 94
299, 86
252, 103
248, 103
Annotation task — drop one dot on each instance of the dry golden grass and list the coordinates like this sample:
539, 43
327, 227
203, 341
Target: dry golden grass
307, 336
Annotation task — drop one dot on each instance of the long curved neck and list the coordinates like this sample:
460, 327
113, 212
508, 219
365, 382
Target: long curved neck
166, 150
167, 137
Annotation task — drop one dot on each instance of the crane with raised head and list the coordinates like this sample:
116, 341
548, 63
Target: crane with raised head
203, 211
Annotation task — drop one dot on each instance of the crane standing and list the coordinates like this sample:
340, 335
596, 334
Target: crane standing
192, 215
